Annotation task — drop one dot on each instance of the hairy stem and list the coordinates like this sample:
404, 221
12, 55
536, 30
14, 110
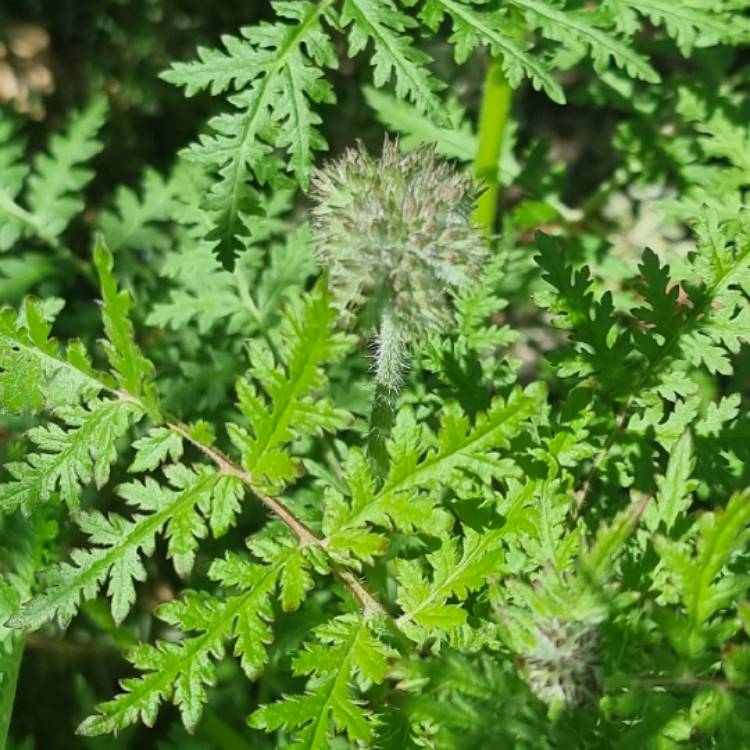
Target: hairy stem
382, 416
493, 123
390, 362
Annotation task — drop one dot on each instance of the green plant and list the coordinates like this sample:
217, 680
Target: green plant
457, 540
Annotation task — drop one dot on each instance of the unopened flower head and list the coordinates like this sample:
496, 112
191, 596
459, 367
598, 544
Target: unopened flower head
565, 667
396, 237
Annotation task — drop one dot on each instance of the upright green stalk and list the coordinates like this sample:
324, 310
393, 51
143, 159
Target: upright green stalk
10, 665
493, 122
23, 551
382, 417
390, 362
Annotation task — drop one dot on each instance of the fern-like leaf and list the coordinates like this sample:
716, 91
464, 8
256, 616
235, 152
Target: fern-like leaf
278, 69
692, 23
179, 510
58, 177
247, 299
13, 171
308, 342
132, 369
579, 27
383, 25
456, 141
182, 671
34, 371
134, 220
464, 452
493, 28
80, 449
425, 602
701, 579
346, 651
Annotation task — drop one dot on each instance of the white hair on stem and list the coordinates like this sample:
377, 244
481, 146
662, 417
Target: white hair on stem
391, 356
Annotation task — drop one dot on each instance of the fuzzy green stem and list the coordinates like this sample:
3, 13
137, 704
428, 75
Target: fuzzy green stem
382, 416
390, 357
390, 362
11, 666
493, 123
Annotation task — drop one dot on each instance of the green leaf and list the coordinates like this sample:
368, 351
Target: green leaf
289, 411
206, 292
13, 171
19, 275
393, 52
179, 512
675, 490
576, 27
23, 548
182, 670
133, 222
703, 588
79, 450
346, 648
598, 563
278, 71
456, 572
152, 449
245, 300
494, 29
132, 369
457, 141
59, 176
692, 23
596, 348
463, 450
34, 373
649, 353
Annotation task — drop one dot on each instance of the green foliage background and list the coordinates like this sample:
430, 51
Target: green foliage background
217, 532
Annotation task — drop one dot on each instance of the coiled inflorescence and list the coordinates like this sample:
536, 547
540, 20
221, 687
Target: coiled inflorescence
396, 237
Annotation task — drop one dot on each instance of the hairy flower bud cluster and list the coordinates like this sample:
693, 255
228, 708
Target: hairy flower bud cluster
396, 236
564, 670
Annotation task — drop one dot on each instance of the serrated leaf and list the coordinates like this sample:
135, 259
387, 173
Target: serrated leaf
675, 489
288, 410
132, 368
719, 535
77, 451
278, 71
183, 670
133, 223
155, 447
383, 25
577, 26
59, 176
34, 372
455, 573
692, 23
120, 544
346, 647
494, 29
463, 450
